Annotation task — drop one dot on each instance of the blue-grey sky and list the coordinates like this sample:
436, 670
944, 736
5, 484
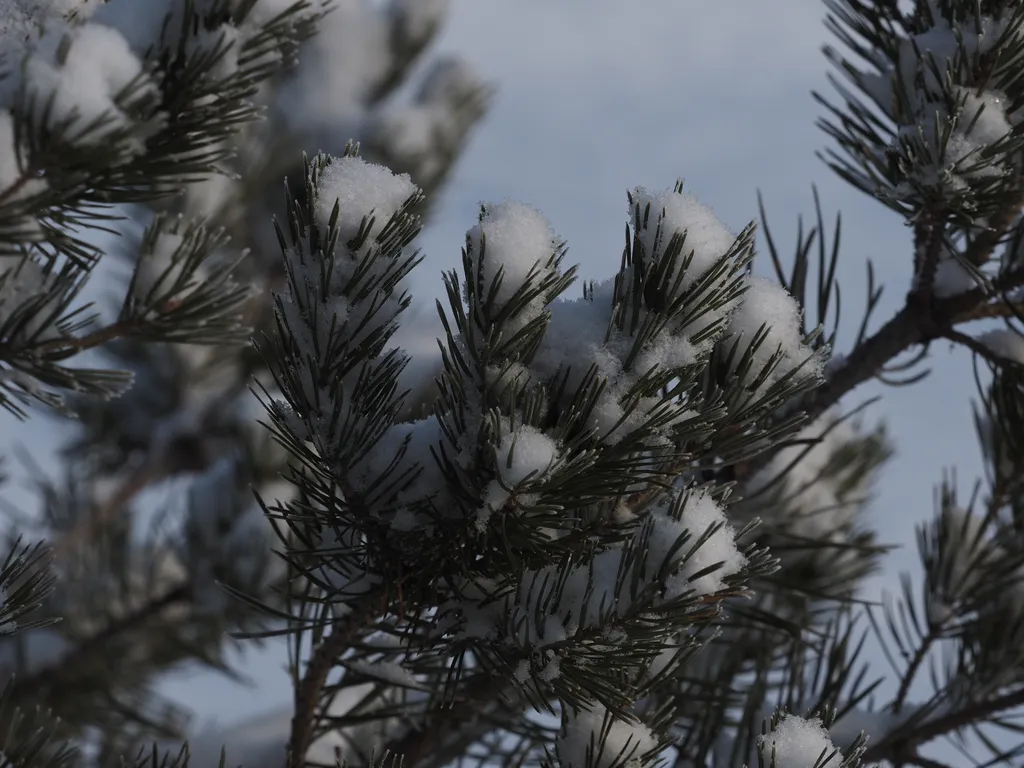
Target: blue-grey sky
597, 96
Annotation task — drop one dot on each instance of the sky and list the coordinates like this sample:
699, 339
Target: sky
598, 96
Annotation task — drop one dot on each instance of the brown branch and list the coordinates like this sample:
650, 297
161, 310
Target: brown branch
914, 324
447, 732
994, 310
309, 692
66, 346
912, 668
898, 743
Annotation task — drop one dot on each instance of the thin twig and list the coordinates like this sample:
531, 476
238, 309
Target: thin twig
915, 664
67, 346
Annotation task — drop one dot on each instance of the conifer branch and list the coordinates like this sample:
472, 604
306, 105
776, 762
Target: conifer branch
63, 672
894, 745
344, 633
447, 732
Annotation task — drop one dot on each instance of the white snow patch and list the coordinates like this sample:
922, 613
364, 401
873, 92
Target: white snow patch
799, 743
385, 671
700, 514
1005, 343
817, 507
766, 303
681, 213
360, 189
98, 65
623, 744
515, 239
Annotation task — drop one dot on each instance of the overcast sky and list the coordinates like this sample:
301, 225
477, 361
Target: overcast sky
596, 96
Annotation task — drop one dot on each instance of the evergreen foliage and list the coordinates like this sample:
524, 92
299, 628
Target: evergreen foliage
618, 524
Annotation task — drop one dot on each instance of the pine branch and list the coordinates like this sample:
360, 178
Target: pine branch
308, 693
84, 527
919, 657
894, 746
79, 659
59, 349
447, 732
923, 762
914, 324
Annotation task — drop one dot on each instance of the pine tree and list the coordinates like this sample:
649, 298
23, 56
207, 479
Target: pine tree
198, 141
622, 528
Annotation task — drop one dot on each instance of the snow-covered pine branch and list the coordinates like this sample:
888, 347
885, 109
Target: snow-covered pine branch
523, 467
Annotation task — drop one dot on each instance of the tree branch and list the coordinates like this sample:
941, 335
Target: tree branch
308, 693
37, 682
84, 527
65, 347
898, 743
447, 733
914, 324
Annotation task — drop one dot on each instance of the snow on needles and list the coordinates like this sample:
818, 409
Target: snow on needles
595, 592
799, 743
1005, 343
671, 213
360, 189
769, 304
624, 743
819, 504
513, 243
524, 455
84, 69
980, 113
701, 515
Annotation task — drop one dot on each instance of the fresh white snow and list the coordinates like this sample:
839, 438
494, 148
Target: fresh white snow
799, 743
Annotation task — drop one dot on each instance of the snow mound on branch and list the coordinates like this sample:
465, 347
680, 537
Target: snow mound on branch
981, 117
360, 189
1005, 343
515, 240
419, 135
623, 743
142, 23
523, 456
818, 506
340, 68
951, 277
769, 304
680, 213
799, 743
83, 69
575, 341
524, 453
591, 593
700, 515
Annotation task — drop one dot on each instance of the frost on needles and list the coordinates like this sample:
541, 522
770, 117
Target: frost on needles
536, 513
